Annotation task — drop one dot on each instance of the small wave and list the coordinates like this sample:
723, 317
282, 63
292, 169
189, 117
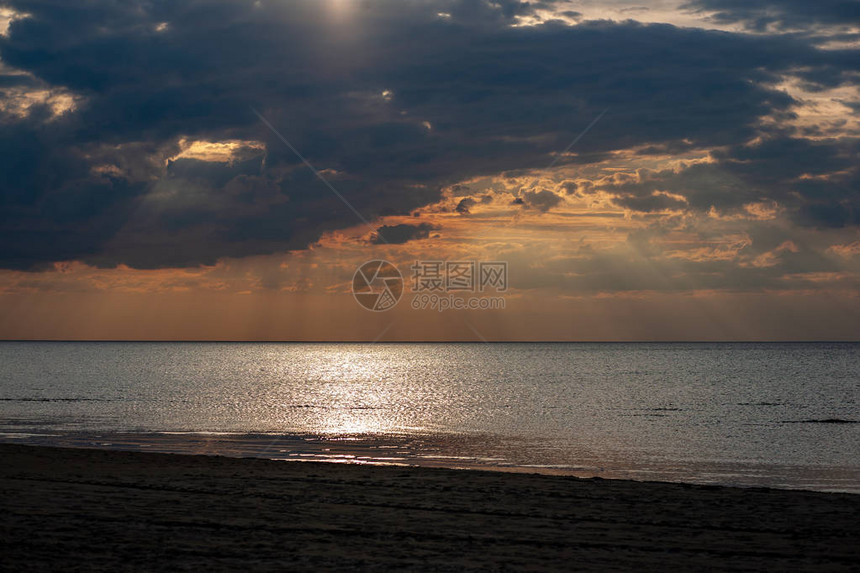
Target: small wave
660, 409
53, 400
822, 421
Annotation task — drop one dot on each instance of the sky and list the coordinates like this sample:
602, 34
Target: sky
219, 169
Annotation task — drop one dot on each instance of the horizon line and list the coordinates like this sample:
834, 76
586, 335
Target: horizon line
477, 341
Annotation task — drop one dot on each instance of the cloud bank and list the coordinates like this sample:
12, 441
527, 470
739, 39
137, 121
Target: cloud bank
128, 135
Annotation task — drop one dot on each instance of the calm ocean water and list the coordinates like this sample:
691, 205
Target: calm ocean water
778, 415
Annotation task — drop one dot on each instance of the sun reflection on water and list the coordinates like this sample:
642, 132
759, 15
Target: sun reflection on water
656, 408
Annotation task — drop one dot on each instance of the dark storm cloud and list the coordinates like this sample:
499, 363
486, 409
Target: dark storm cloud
818, 182
464, 207
542, 200
399, 234
792, 14
392, 99
649, 203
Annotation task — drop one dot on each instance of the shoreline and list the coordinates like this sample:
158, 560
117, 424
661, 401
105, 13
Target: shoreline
101, 509
482, 452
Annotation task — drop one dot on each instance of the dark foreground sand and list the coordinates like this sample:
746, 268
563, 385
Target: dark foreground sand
64, 509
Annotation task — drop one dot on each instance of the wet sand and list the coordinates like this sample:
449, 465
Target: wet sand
100, 510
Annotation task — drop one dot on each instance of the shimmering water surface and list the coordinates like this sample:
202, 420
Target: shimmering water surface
779, 415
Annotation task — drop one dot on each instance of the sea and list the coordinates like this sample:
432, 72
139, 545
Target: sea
776, 415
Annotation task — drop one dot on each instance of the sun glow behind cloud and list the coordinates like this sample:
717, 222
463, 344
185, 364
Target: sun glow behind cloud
8, 16
341, 12
218, 151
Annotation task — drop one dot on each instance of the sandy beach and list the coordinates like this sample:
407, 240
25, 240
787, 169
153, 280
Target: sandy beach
99, 510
